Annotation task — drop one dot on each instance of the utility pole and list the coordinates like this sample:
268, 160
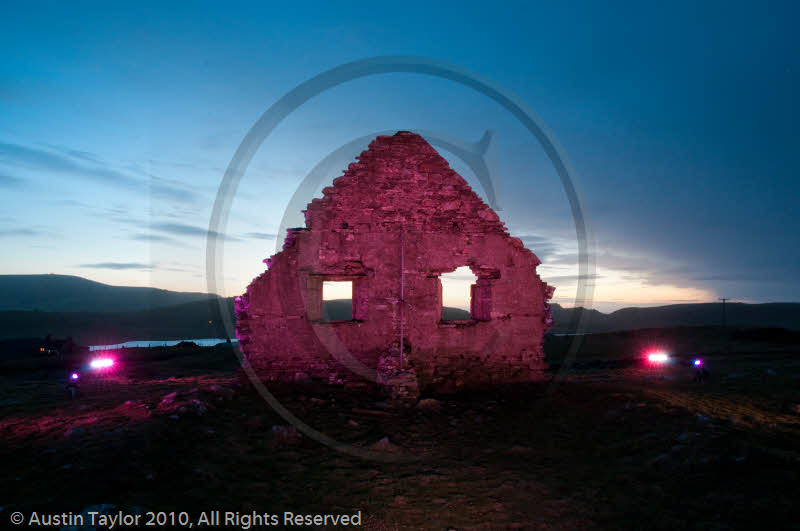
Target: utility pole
724, 317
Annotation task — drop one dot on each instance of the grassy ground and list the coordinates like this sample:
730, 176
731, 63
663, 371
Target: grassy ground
620, 446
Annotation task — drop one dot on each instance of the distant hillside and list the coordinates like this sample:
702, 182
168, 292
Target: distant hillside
337, 310
189, 320
772, 315
63, 293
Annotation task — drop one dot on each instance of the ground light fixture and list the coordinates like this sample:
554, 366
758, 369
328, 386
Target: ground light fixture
658, 357
101, 363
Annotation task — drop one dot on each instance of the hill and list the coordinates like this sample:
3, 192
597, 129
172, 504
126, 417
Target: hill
771, 315
188, 320
65, 293
94, 313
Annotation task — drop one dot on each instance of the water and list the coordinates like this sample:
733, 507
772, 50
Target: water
206, 342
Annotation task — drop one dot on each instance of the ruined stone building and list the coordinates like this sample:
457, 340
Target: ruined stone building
396, 220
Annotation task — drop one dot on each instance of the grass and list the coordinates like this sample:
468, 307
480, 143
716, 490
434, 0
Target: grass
620, 447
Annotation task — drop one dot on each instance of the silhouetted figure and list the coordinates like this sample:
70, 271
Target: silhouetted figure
72, 382
700, 374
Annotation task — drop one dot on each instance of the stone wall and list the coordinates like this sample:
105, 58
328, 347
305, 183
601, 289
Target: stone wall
400, 203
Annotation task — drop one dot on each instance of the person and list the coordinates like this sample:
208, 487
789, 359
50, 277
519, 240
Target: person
700, 374
72, 382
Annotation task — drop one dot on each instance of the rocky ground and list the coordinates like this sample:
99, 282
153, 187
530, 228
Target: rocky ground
605, 446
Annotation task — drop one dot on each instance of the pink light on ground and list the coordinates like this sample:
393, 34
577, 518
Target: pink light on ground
74, 375
658, 357
101, 363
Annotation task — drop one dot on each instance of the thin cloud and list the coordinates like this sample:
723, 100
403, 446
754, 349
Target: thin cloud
151, 238
118, 214
21, 232
156, 238
182, 229
175, 269
9, 181
563, 259
193, 166
119, 266
746, 276
541, 246
261, 235
90, 167
75, 153
569, 278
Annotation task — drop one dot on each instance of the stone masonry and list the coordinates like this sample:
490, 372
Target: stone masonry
396, 220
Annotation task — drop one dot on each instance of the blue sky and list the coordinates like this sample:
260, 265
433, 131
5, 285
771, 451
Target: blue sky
116, 125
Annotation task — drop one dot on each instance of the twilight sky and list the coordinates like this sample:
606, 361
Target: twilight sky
116, 125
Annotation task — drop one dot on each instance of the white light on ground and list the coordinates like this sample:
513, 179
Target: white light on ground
658, 357
101, 363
